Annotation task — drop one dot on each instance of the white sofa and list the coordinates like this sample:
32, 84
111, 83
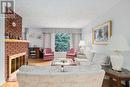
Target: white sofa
98, 58
101, 59
76, 76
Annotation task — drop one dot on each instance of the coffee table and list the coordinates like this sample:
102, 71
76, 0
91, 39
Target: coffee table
63, 62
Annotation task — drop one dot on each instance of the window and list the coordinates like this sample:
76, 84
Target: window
62, 42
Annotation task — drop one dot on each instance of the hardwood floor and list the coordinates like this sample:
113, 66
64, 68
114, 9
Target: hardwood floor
10, 84
40, 62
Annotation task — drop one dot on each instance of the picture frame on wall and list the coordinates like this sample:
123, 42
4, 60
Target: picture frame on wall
102, 33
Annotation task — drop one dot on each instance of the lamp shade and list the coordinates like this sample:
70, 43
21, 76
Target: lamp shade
118, 43
81, 43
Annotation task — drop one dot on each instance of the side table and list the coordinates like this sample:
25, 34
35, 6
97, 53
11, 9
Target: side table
124, 75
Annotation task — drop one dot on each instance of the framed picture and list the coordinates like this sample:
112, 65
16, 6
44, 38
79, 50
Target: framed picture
102, 33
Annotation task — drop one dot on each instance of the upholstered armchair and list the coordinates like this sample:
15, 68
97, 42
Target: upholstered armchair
71, 53
48, 54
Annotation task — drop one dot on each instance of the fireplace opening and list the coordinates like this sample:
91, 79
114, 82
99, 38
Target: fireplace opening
15, 62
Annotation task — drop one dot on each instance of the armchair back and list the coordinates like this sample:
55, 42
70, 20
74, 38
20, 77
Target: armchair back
48, 54
47, 50
71, 53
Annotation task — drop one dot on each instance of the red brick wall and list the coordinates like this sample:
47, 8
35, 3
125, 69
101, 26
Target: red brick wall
10, 29
12, 48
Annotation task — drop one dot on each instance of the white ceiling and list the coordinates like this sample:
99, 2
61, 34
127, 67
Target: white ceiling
61, 13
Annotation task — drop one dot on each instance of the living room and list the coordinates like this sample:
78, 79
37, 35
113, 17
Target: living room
85, 23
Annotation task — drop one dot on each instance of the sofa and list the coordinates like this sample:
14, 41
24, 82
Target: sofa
76, 76
101, 59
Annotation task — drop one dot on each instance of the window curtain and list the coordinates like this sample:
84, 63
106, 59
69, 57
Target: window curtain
47, 40
53, 41
49, 37
75, 39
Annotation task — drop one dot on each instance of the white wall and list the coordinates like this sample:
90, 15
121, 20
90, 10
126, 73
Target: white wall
2, 51
32, 37
120, 16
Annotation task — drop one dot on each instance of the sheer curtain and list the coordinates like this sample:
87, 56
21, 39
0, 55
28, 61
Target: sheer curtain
75, 39
49, 37
53, 41
47, 40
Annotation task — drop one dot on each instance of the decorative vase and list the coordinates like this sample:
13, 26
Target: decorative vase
117, 62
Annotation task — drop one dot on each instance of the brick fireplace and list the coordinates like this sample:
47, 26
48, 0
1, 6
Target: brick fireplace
16, 49
11, 50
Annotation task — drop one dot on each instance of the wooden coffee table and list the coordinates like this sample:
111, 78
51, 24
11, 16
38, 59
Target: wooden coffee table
117, 76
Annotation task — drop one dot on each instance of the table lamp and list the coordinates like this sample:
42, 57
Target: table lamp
81, 46
117, 44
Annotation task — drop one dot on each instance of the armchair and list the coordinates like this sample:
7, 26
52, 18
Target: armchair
48, 54
71, 53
